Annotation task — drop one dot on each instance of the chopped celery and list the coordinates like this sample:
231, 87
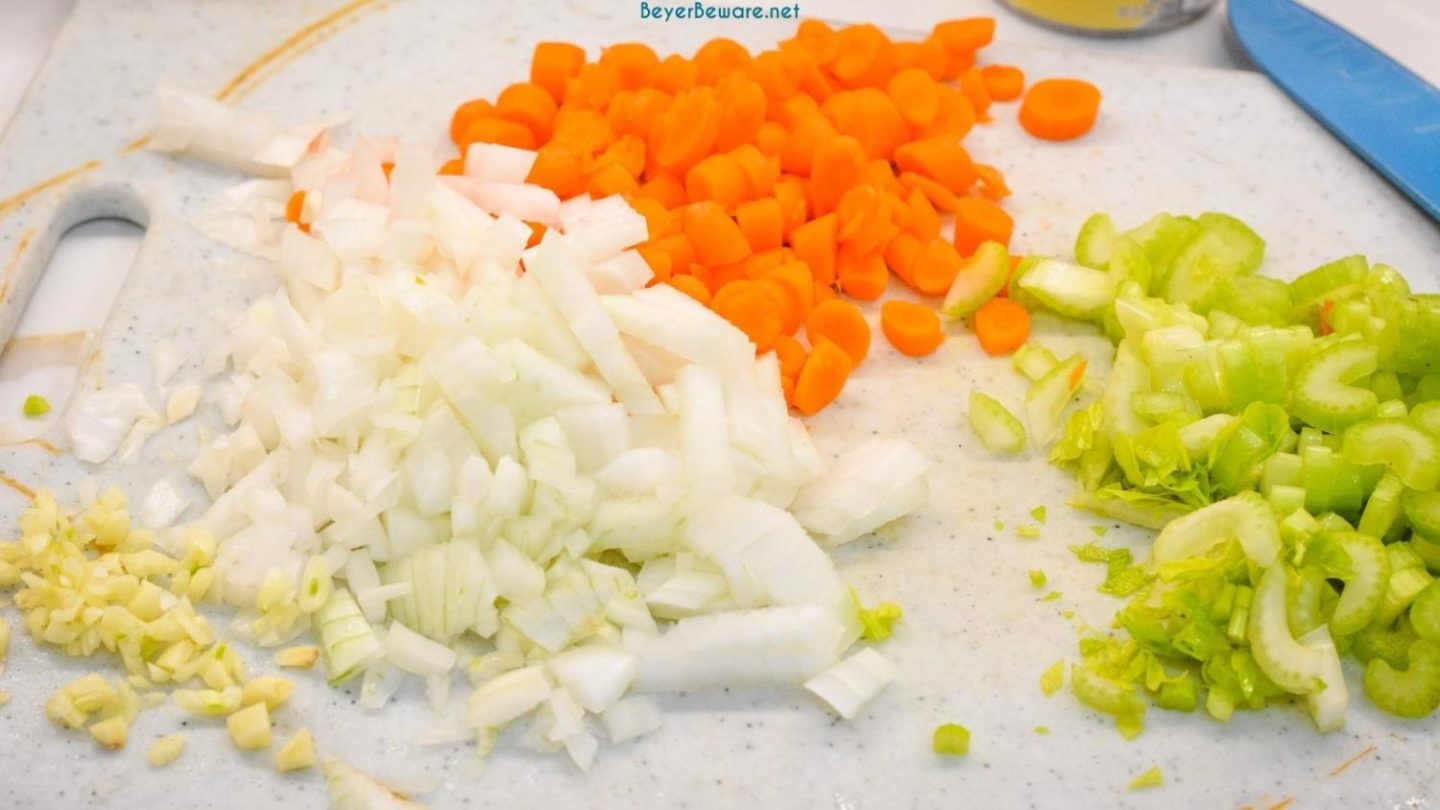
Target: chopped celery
1402, 446
1245, 444
1253, 300
1383, 507
1425, 613
1037, 578
1129, 264
951, 739
1293, 666
1028, 532
877, 623
997, 428
1033, 360
1163, 236
980, 277
1047, 397
1109, 695
1052, 678
1245, 518
35, 406
1410, 692
1094, 241
1360, 561
1389, 644
1306, 609
1323, 396
1038, 513
1408, 578
1069, 289
1150, 778
1312, 287
1422, 512
1225, 247
1427, 415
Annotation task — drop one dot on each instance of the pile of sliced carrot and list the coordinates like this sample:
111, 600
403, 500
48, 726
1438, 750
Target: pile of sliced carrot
772, 181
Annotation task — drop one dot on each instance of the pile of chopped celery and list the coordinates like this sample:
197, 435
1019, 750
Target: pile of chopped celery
1284, 437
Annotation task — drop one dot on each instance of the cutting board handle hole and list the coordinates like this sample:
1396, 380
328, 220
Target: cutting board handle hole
63, 321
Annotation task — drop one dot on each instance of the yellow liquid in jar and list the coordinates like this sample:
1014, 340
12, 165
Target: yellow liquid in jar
1111, 16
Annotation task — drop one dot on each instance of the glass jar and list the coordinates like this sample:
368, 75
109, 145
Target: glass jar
1114, 18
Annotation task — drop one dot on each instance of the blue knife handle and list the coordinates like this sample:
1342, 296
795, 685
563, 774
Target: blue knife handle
1386, 114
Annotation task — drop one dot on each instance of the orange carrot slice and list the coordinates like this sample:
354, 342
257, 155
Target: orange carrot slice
913, 329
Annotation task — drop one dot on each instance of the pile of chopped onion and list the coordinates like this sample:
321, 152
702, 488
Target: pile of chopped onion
521, 464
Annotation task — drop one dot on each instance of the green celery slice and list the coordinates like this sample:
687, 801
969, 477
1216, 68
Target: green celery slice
1094, 241
1069, 289
1322, 395
1422, 512
1033, 360
981, 276
1410, 451
1246, 518
1410, 692
997, 428
1047, 397
1312, 287
1366, 578
1293, 666
1384, 506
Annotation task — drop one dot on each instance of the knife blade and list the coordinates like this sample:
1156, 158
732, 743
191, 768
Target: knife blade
1383, 112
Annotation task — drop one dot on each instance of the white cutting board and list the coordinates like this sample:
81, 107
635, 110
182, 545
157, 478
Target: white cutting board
975, 637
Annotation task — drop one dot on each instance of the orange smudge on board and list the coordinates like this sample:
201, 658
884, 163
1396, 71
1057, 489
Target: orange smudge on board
44, 445
1351, 761
1283, 803
136, 145
17, 486
14, 262
306, 38
11, 203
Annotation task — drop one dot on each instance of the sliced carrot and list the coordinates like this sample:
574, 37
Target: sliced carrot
677, 246
794, 281
935, 268
791, 354
992, 182
692, 287
927, 55
717, 178
967, 35
916, 95
676, 74
824, 292
751, 309
760, 171
791, 316
901, 254
718, 58
882, 175
776, 76
635, 62
1003, 82
770, 139
1060, 109
973, 86
790, 193
791, 111
610, 178
553, 64
939, 196
956, 118
1002, 326
465, 113
924, 221
912, 328
814, 244
865, 56
818, 39
862, 276
686, 133
940, 159
806, 135
841, 323
763, 223
822, 378
453, 166
537, 232
584, 129
840, 163
294, 207
593, 86
665, 189
558, 167
762, 262
977, 221
714, 235
742, 111
658, 222
627, 152
717, 276
871, 117
661, 268
634, 113
529, 105
493, 129
787, 387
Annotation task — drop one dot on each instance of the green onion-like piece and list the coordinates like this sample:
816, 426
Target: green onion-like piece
980, 277
997, 428
1409, 450
35, 406
1322, 395
951, 739
1410, 692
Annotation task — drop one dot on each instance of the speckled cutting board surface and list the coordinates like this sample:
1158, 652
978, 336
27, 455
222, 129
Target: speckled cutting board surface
976, 635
